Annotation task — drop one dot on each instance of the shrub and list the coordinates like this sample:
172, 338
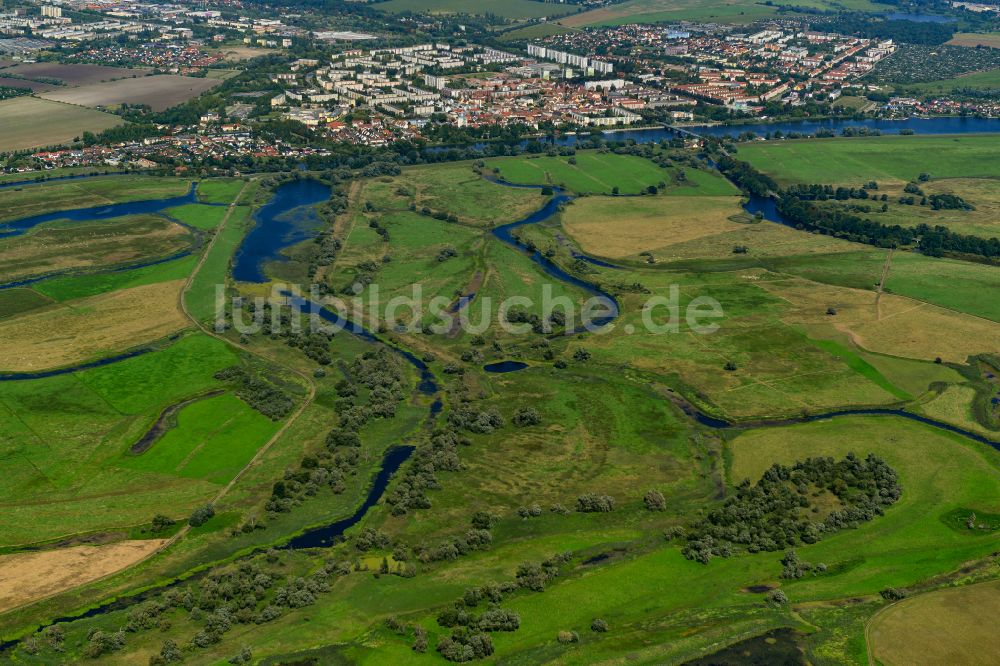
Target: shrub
655, 501
592, 503
201, 515
566, 637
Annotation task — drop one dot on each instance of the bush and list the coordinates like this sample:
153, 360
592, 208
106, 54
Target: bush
777, 597
566, 637
592, 503
201, 515
526, 416
655, 501
893, 594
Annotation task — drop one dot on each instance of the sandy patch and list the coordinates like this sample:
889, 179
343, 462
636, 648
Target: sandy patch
27, 577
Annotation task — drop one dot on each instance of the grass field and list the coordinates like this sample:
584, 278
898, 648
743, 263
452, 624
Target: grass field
30, 122
213, 439
593, 172
52, 248
20, 299
511, 9
608, 423
219, 190
896, 325
63, 450
455, 189
36, 199
888, 159
198, 216
983, 194
159, 92
945, 626
200, 298
90, 328
81, 286
987, 80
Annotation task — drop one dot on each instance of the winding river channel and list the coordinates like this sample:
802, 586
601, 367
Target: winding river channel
278, 226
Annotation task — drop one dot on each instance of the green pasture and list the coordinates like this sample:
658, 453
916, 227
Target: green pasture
453, 189
593, 172
71, 287
854, 161
68, 432
214, 439
198, 216
219, 190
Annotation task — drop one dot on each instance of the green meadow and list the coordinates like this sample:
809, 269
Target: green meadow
854, 161
204, 446
592, 172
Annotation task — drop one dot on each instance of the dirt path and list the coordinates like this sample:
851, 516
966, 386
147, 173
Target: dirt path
881, 285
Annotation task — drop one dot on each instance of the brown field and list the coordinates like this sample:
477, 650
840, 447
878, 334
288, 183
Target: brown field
949, 626
680, 228
159, 92
74, 75
974, 39
88, 328
29, 122
27, 577
897, 326
34, 86
618, 227
103, 243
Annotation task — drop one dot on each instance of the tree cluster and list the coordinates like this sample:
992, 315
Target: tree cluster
777, 511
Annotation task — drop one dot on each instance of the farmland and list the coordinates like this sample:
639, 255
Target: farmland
554, 509
73, 75
159, 92
30, 122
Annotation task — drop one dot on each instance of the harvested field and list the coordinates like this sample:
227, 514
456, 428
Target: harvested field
159, 92
949, 626
974, 39
27, 577
30, 122
34, 86
86, 329
73, 75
